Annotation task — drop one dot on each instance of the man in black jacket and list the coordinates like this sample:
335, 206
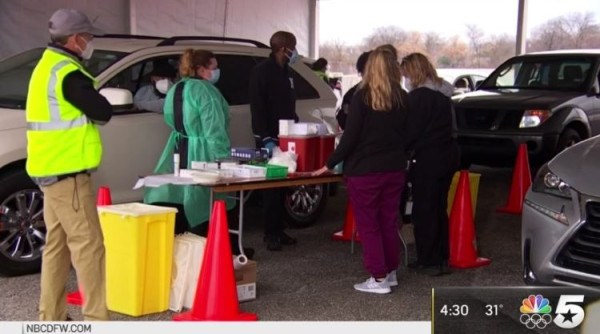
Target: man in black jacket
273, 98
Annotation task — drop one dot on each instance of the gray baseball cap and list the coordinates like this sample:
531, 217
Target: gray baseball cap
68, 21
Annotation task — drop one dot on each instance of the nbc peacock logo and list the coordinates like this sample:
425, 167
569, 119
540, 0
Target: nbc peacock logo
535, 312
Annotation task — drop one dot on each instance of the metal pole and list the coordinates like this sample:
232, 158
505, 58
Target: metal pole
132, 18
521, 42
313, 29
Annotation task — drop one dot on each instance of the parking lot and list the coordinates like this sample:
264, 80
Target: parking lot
313, 279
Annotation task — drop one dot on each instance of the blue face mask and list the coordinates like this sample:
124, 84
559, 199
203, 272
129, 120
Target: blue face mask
214, 76
293, 58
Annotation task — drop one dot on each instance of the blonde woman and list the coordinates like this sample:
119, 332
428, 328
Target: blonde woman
429, 138
198, 115
374, 165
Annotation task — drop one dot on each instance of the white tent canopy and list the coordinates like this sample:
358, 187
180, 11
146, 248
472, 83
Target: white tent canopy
24, 23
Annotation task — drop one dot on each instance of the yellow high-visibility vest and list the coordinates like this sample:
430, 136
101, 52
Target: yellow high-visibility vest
60, 138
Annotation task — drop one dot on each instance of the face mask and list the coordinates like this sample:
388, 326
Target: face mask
214, 76
163, 85
293, 57
87, 52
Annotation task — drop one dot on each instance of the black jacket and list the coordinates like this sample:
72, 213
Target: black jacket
373, 141
79, 90
429, 130
272, 98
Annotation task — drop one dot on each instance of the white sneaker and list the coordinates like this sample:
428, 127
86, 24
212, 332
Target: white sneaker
391, 278
371, 285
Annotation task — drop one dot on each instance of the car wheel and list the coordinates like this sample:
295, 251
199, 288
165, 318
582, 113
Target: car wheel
22, 227
304, 204
568, 138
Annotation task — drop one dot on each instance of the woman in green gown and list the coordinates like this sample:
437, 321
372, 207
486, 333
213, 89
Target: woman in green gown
198, 115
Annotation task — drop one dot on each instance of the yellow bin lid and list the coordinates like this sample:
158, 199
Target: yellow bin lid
135, 209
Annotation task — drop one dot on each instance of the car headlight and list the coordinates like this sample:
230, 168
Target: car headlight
550, 183
534, 117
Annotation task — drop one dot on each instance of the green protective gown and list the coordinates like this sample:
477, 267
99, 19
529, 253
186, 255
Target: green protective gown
205, 119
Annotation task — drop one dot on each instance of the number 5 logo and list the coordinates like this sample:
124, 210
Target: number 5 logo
569, 315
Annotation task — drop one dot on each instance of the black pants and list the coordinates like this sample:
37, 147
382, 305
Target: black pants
431, 177
273, 206
430, 220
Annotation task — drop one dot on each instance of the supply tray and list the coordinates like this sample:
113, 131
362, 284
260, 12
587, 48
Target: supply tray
274, 171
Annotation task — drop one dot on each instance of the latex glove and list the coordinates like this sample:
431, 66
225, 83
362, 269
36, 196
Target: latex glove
321, 171
270, 146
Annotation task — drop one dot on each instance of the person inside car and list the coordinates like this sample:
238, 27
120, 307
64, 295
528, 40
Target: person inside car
152, 97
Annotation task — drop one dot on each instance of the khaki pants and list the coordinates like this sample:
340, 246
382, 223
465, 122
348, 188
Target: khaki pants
74, 236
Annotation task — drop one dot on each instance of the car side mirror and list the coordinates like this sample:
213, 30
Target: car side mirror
119, 98
478, 83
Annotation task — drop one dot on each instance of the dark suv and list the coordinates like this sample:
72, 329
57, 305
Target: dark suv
547, 100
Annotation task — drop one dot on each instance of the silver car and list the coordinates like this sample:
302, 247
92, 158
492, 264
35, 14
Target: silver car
561, 219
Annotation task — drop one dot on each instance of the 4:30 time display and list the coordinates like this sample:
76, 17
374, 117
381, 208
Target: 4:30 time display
455, 310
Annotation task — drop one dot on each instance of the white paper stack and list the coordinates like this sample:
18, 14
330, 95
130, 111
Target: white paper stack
188, 253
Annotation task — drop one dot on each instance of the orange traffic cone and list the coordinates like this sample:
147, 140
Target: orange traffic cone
349, 227
103, 198
216, 294
521, 181
463, 250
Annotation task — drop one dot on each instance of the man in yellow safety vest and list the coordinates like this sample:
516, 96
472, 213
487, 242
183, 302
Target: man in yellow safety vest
63, 148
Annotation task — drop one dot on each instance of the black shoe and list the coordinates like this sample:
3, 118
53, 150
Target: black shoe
287, 240
273, 243
430, 270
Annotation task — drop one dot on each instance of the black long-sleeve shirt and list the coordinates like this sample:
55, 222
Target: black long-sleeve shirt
272, 98
429, 121
429, 132
79, 90
373, 141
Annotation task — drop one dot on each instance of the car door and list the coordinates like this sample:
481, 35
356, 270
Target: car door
133, 140
234, 85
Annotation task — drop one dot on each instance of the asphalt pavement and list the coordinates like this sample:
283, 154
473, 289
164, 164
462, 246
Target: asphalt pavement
314, 279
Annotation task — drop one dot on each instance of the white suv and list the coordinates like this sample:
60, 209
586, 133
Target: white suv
134, 139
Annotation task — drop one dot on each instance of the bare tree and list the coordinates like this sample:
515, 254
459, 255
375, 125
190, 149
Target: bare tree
581, 27
455, 53
335, 52
385, 35
433, 44
576, 30
498, 49
475, 35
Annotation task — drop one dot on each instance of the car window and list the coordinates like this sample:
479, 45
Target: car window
235, 77
551, 73
136, 79
15, 73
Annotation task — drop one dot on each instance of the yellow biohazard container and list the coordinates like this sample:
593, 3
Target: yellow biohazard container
474, 187
139, 254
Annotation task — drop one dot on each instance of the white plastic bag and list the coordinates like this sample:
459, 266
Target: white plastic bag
286, 158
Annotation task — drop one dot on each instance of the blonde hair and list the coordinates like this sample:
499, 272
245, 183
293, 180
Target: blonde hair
381, 81
417, 67
192, 59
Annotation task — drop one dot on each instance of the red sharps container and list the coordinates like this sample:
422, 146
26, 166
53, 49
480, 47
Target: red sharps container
307, 149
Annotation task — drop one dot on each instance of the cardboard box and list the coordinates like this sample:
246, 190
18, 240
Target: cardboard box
245, 279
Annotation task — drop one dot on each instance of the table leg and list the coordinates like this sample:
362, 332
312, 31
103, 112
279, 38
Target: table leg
241, 223
240, 229
210, 201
